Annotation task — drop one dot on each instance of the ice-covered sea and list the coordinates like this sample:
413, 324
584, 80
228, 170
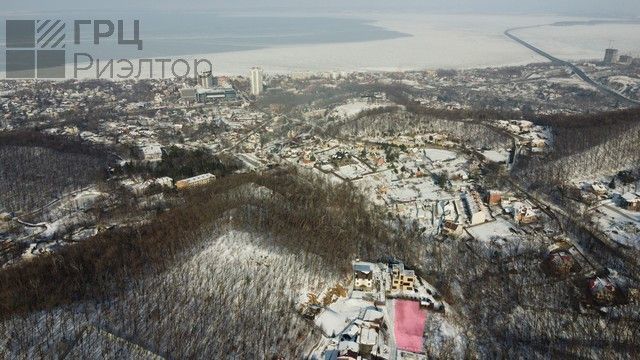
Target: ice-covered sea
440, 41
285, 43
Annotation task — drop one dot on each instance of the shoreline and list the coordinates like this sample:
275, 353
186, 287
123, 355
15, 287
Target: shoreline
474, 42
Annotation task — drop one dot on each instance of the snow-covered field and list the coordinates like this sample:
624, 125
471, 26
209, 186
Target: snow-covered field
440, 154
340, 314
354, 108
352, 171
492, 230
436, 41
441, 41
501, 236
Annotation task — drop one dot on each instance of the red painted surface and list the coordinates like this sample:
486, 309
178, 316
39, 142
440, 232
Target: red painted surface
409, 322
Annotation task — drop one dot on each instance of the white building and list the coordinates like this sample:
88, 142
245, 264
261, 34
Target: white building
363, 276
257, 82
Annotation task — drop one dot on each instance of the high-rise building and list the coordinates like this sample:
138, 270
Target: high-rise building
625, 59
257, 84
611, 56
206, 80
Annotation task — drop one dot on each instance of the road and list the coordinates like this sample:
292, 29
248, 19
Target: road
616, 248
576, 70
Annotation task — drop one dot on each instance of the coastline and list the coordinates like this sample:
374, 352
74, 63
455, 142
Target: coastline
436, 41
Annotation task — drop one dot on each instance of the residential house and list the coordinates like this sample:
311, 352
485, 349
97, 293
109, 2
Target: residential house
598, 189
367, 340
602, 289
451, 228
363, 276
348, 350
524, 214
401, 279
494, 197
560, 262
631, 201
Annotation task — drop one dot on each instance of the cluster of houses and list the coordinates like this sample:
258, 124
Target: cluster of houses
393, 281
362, 339
614, 208
533, 138
362, 326
603, 287
592, 192
165, 182
452, 213
141, 124
429, 185
478, 210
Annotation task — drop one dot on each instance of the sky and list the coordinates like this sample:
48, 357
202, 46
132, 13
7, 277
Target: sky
610, 8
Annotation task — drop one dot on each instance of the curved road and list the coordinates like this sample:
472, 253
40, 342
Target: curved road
574, 68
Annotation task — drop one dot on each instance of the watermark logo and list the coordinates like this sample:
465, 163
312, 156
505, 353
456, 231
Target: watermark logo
35, 49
